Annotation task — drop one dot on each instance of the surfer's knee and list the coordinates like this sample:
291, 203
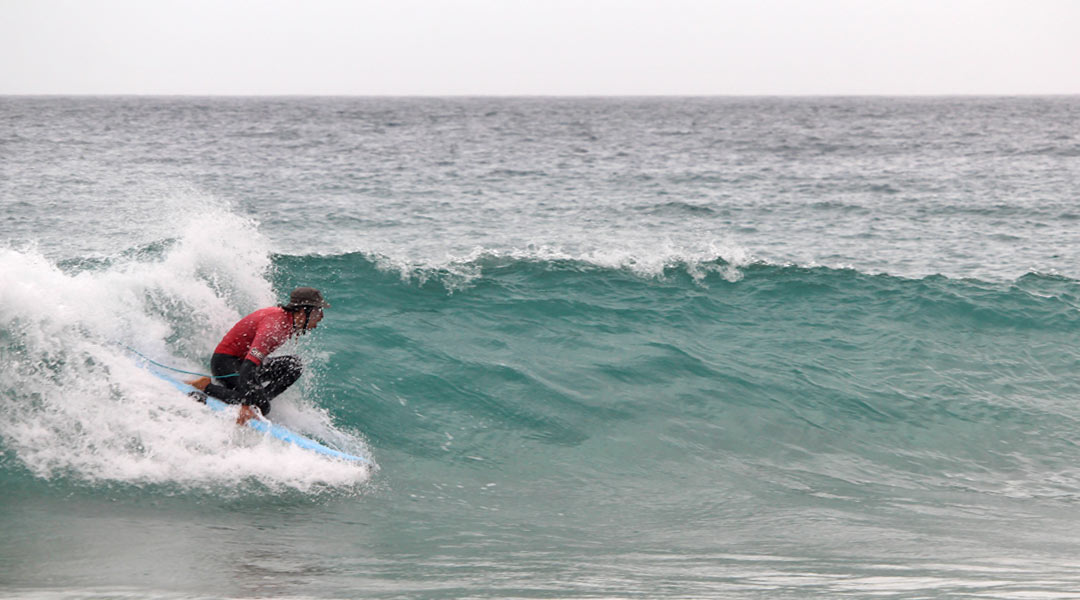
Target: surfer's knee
294, 362
291, 368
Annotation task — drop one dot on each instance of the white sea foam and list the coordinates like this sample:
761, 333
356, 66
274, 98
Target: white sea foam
74, 404
654, 259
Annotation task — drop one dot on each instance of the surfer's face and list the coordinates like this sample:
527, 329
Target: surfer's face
312, 322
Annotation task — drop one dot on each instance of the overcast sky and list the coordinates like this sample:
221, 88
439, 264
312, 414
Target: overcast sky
539, 47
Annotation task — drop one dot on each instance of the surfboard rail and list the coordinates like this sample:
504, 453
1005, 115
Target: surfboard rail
267, 427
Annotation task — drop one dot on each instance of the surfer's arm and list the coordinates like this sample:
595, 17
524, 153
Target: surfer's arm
249, 391
269, 335
248, 386
245, 375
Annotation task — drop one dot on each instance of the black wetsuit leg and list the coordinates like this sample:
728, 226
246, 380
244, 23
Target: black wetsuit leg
278, 373
273, 377
224, 388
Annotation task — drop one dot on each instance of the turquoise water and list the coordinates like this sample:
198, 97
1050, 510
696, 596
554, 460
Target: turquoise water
761, 348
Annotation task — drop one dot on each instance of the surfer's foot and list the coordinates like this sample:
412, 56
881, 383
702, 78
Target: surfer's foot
200, 383
199, 396
246, 414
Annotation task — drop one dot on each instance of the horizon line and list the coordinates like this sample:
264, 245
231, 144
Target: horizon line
513, 95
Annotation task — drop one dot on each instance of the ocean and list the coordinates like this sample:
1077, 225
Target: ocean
595, 347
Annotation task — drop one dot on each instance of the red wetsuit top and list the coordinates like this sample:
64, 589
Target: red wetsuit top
257, 335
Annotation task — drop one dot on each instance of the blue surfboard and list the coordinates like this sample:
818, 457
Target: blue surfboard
265, 426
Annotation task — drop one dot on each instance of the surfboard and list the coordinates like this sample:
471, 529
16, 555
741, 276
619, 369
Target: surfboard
267, 427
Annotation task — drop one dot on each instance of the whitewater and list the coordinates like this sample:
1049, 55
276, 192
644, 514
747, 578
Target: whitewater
595, 347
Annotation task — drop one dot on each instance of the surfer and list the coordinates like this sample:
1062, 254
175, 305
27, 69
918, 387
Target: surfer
242, 372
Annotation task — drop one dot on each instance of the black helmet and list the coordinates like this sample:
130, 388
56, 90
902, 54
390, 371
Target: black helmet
303, 297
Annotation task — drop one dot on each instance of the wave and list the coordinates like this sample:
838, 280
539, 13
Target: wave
75, 407
784, 362
459, 272
704, 363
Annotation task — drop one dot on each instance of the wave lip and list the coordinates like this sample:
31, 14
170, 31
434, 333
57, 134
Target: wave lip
75, 407
460, 271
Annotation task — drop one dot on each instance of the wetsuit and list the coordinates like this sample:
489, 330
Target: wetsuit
244, 350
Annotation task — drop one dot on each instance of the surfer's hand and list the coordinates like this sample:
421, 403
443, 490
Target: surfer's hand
246, 413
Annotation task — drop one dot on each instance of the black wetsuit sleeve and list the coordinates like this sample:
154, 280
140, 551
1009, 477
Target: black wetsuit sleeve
250, 388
